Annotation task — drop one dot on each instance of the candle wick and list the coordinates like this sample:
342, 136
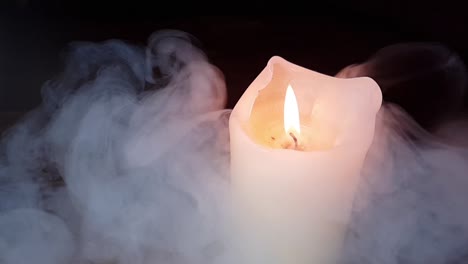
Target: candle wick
294, 138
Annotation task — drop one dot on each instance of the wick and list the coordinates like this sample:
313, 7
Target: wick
294, 138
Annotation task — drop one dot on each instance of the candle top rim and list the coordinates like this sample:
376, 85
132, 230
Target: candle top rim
244, 105
364, 89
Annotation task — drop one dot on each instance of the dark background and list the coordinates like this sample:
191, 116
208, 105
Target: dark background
34, 34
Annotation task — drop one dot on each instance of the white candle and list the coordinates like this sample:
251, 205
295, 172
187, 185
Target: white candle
298, 141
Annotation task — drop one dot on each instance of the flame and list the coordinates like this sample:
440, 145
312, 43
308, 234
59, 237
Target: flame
291, 113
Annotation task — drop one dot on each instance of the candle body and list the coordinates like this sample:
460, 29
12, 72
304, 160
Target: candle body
293, 206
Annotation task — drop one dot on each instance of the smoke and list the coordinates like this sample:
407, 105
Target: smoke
128, 154
127, 161
427, 79
412, 202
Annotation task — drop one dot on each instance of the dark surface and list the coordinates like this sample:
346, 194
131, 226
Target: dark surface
33, 37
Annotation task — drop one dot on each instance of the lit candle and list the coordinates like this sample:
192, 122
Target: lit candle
298, 141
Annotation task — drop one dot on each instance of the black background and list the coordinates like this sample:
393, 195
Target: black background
34, 35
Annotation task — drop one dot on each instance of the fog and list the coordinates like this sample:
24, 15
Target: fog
412, 204
127, 161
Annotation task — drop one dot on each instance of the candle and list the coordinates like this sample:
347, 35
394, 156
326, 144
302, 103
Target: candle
298, 141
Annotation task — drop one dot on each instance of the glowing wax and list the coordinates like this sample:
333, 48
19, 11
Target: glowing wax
294, 184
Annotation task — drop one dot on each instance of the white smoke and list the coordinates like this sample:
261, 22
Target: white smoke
143, 159
412, 206
127, 161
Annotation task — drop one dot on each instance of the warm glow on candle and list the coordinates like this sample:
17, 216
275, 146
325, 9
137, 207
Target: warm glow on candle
292, 202
291, 113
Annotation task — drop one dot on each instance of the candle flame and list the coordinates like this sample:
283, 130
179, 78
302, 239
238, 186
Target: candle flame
291, 113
